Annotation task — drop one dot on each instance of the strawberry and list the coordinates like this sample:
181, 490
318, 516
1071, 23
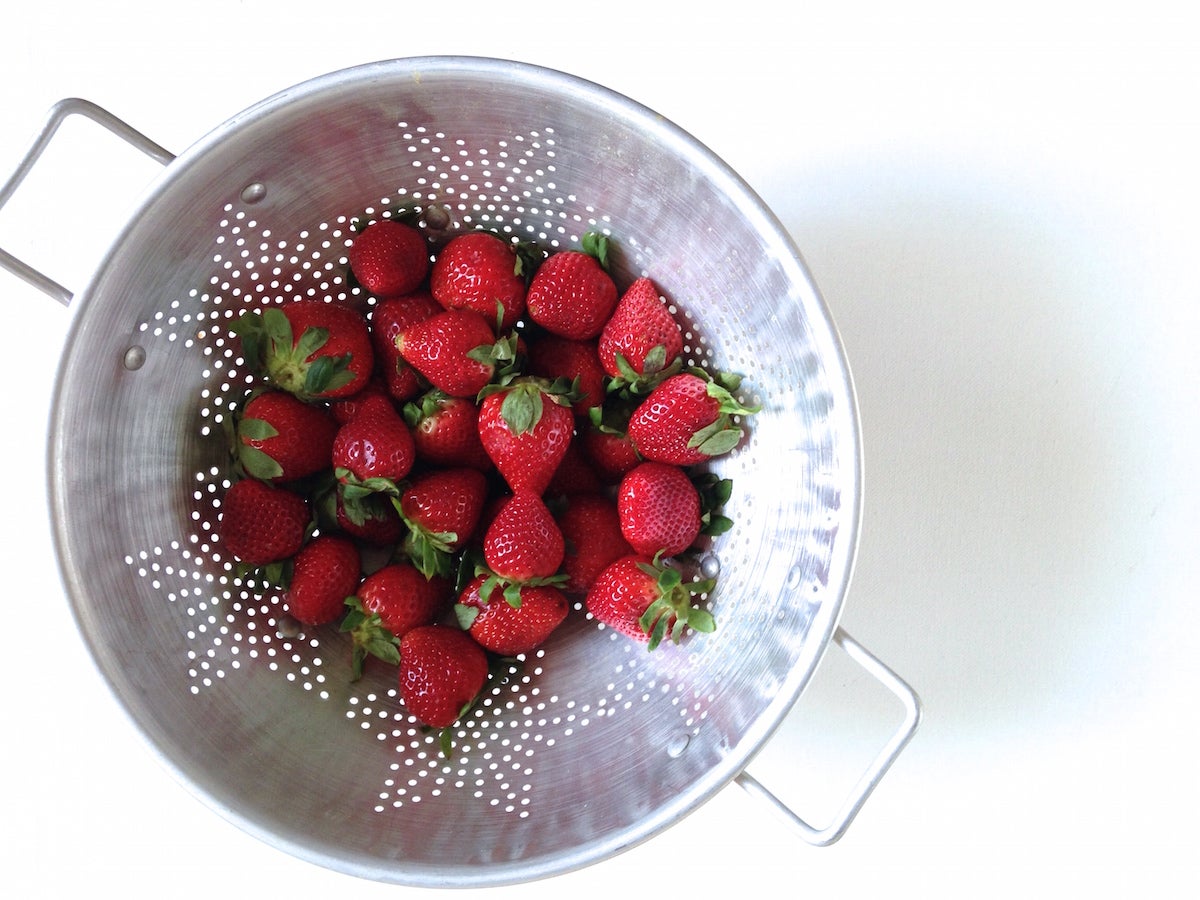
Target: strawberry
591, 530
389, 319
314, 349
445, 430
641, 340
526, 427
389, 258
374, 450
456, 350
571, 294
346, 408
324, 573
575, 473
687, 419
610, 451
640, 597
554, 357
281, 438
262, 524
485, 273
523, 543
442, 671
659, 509
441, 509
510, 628
389, 603
368, 517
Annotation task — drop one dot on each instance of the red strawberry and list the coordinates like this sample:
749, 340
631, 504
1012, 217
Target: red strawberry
375, 444
389, 320
446, 430
641, 598
441, 509
346, 408
611, 452
311, 348
554, 357
510, 628
575, 473
442, 671
591, 530
571, 294
456, 350
659, 509
324, 573
482, 272
642, 338
526, 428
262, 524
368, 517
282, 438
389, 258
523, 542
389, 603
687, 419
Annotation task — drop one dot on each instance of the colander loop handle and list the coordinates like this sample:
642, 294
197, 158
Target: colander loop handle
824, 836
63, 109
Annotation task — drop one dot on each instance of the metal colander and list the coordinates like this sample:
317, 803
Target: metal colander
594, 744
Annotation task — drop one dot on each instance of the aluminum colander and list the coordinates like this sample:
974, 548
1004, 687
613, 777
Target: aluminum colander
592, 745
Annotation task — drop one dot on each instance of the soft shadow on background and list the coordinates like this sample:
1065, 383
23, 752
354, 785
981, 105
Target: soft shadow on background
1000, 534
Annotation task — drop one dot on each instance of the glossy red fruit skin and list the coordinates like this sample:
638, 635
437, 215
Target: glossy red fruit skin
439, 349
571, 295
389, 319
446, 432
479, 271
389, 258
552, 356
262, 524
444, 501
304, 437
612, 454
640, 322
659, 509
621, 594
376, 443
529, 459
349, 335
523, 541
442, 670
591, 530
404, 598
324, 573
663, 425
508, 630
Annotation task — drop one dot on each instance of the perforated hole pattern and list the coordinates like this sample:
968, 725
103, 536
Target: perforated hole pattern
509, 186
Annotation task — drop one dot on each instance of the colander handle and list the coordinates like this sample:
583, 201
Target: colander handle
822, 837
72, 106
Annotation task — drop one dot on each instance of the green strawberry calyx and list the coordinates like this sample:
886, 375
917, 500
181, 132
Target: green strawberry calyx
433, 553
525, 398
368, 637
272, 351
721, 435
671, 610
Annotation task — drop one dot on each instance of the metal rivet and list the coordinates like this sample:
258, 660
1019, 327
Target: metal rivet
677, 745
135, 358
710, 566
436, 217
252, 193
795, 577
288, 627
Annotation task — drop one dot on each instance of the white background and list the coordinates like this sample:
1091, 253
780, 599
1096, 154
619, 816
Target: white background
1000, 208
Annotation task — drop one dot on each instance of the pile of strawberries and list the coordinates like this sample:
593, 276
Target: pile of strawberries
495, 432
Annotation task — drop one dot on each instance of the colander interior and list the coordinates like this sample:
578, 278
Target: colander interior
592, 745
